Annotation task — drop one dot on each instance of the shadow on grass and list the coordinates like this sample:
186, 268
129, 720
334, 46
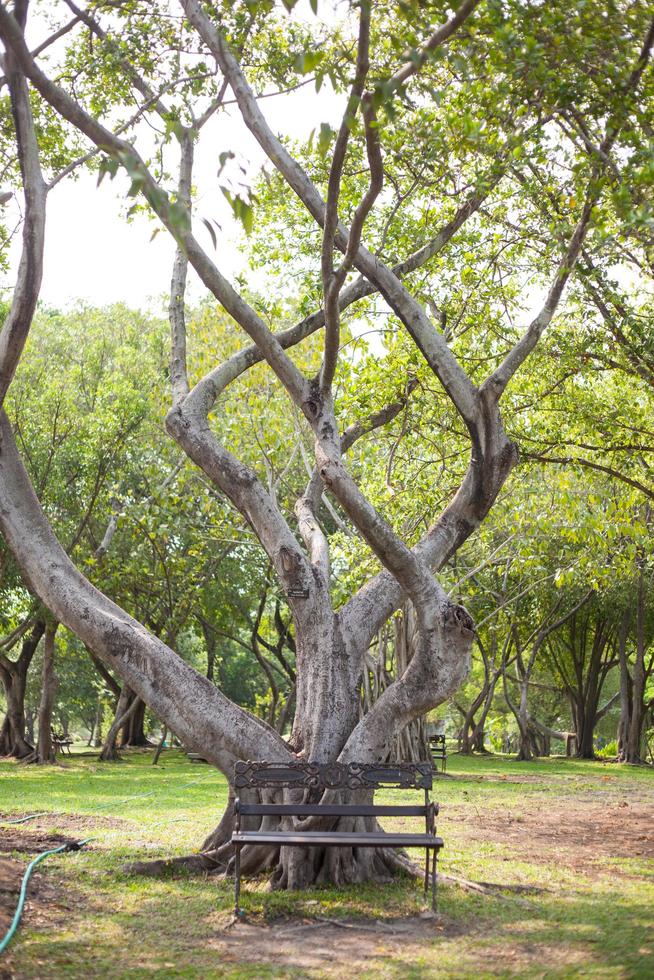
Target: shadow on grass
181, 927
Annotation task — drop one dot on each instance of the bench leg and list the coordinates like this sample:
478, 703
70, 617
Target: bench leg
426, 869
237, 879
434, 861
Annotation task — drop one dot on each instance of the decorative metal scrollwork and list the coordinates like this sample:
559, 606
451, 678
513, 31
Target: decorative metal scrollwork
332, 775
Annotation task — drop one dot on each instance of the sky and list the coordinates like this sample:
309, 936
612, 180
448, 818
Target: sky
94, 255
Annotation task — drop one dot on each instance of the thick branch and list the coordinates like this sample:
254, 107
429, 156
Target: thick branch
176, 309
187, 702
30, 270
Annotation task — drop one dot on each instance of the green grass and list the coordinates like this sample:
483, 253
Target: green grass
91, 919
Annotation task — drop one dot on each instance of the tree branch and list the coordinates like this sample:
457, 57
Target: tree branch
429, 341
30, 270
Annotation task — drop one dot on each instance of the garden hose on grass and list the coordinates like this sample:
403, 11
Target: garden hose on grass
32, 816
23, 888
65, 847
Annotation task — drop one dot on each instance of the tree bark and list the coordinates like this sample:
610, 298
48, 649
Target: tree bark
638, 678
133, 733
44, 753
13, 673
160, 745
125, 709
583, 655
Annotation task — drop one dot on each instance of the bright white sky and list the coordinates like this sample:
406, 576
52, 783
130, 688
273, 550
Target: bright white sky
94, 255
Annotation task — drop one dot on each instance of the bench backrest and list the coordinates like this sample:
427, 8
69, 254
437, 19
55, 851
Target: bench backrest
334, 775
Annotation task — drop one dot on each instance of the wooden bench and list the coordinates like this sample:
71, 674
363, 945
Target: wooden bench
313, 779
60, 742
438, 751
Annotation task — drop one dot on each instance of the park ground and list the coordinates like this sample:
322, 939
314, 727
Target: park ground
564, 852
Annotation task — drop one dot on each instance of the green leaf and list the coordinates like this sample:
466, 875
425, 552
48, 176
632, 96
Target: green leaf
242, 209
108, 165
306, 61
324, 138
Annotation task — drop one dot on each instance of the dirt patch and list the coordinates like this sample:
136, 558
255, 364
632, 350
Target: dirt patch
41, 894
11, 874
68, 821
574, 834
27, 842
50, 899
326, 947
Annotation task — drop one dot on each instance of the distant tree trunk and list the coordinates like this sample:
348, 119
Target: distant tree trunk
584, 724
468, 727
44, 753
583, 655
30, 718
626, 691
210, 645
526, 744
638, 678
545, 735
127, 705
471, 735
286, 714
14, 740
395, 644
478, 734
99, 719
160, 746
133, 731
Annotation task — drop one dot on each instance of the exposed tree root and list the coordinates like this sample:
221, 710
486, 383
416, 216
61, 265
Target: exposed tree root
333, 866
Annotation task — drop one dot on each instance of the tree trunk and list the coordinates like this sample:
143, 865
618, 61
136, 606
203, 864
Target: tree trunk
323, 732
30, 720
479, 731
160, 745
526, 746
99, 719
330, 650
585, 719
14, 740
626, 692
133, 730
44, 753
638, 679
127, 705
466, 732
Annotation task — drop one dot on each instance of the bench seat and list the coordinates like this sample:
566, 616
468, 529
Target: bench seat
315, 838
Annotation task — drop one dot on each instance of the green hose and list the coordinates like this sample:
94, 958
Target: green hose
32, 816
23, 888
65, 847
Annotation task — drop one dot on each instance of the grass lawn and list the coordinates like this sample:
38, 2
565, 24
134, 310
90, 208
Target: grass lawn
571, 845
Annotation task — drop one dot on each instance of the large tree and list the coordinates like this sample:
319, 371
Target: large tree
477, 93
